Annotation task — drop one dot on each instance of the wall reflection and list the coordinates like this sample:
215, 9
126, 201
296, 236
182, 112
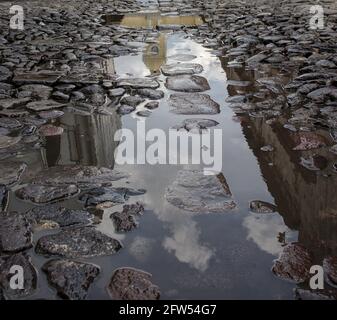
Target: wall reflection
306, 200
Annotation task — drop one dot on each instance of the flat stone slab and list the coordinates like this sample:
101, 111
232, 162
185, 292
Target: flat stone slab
85, 177
176, 69
13, 103
83, 242
63, 217
330, 270
53, 114
187, 83
258, 206
71, 279
10, 123
37, 90
193, 103
198, 193
11, 172
13, 113
42, 77
151, 93
126, 219
293, 264
132, 284
6, 142
4, 197
30, 275
5, 74
125, 109
138, 83
100, 195
15, 232
132, 101
196, 125
44, 105
41, 194
182, 57
303, 294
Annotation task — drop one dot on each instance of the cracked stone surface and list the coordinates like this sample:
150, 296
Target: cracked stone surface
72, 279
195, 192
132, 284
82, 242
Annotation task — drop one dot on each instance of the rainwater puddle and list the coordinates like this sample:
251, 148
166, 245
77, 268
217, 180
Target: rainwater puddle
226, 255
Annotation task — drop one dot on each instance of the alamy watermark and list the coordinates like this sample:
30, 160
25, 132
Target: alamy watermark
16, 281
175, 148
317, 20
17, 20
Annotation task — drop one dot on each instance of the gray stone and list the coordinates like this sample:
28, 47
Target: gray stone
13, 113
323, 94
151, 93
85, 177
181, 68
144, 113
125, 220
6, 142
193, 191
132, 284
16, 234
63, 217
44, 105
42, 77
117, 92
116, 195
30, 275
53, 114
187, 83
11, 172
152, 105
45, 194
303, 294
5, 74
71, 279
83, 242
37, 91
132, 101
330, 270
193, 103
196, 125
10, 123
258, 206
182, 57
293, 264
13, 103
4, 197
138, 83
125, 109
50, 130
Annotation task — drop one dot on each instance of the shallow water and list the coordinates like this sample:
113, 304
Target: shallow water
211, 256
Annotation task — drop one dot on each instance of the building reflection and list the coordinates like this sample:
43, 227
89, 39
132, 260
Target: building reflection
154, 55
306, 200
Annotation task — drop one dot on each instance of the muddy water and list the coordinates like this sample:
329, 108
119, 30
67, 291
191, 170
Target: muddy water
212, 256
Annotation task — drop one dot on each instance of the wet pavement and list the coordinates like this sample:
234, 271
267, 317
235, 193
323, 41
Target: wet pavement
251, 232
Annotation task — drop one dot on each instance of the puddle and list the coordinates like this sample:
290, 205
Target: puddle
151, 20
220, 256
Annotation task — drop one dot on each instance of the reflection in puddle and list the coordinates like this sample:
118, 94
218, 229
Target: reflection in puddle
185, 244
236, 249
265, 231
151, 20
